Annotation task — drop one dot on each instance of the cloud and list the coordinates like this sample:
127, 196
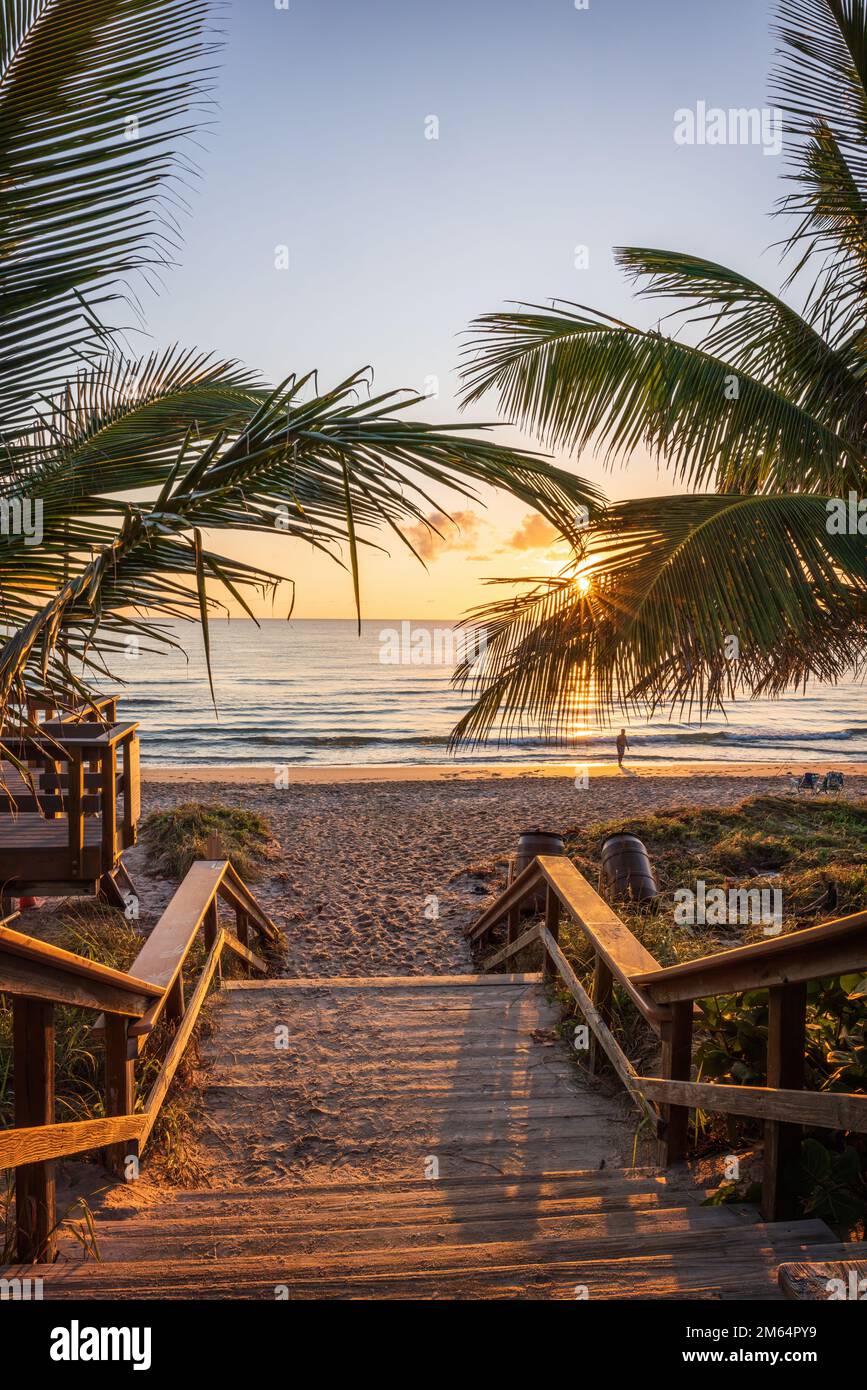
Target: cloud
460, 531
534, 533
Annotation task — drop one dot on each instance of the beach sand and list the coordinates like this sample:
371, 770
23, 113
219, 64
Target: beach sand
381, 869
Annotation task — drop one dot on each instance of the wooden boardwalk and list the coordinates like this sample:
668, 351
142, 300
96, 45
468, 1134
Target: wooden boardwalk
423, 1137
375, 1078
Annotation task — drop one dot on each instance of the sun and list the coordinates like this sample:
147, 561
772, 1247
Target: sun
582, 580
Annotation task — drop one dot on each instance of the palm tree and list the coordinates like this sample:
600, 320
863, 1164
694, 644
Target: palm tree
132, 459
741, 583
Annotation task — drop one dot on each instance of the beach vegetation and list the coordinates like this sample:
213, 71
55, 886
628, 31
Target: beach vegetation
821, 851
175, 838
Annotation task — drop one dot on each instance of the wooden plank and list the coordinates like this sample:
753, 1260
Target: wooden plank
677, 1066
109, 807
179, 1042
30, 948
169, 943
50, 1141
235, 891
409, 982
617, 1057
787, 1021
830, 1281
75, 816
132, 782
38, 980
517, 894
119, 1090
832, 948
33, 1075
512, 947
174, 1005
552, 926
232, 944
603, 992
211, 924
611, 938
824, 1109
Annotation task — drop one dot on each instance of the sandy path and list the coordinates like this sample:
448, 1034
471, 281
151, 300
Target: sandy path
377, 877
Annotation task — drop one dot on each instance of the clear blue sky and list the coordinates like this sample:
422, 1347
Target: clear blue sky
556, 128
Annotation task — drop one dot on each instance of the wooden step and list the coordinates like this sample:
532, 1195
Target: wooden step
747, 1272
221, 1235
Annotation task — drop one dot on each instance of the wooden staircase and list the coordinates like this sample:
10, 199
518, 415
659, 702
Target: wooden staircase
536, 1236
420, 1137
382, 1076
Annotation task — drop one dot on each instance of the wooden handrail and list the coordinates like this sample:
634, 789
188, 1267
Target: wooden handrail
621, 953
38, 975
32, 969
666, 997
838, 947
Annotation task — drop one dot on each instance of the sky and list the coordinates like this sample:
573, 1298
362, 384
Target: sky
556, 131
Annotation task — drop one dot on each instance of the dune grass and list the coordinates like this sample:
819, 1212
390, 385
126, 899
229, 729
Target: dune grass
175, 838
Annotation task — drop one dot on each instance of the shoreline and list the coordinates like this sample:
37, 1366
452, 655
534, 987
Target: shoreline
246, 774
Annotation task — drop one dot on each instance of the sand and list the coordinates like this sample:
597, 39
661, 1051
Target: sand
380, 870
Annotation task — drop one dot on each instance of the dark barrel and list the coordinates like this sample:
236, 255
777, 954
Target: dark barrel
533, 842
627, 870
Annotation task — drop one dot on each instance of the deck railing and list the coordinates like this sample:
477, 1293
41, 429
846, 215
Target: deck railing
39, 976
72, 770
665, 997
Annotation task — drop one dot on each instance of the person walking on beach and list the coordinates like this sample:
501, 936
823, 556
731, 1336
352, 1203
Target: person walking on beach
622, 745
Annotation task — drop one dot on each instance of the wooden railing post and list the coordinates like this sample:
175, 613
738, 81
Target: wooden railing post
676, 1066
33, 1062
75, 811
119, 1087
211, 925
109, 807
552, 922
242, 931
175, 999
787, 1018
603, 986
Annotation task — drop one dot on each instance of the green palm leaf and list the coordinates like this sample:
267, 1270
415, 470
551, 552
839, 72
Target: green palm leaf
692, 600
96, 97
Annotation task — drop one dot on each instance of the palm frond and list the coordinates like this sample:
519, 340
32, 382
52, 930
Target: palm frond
96, 100
575, 378
676, 586
331, 468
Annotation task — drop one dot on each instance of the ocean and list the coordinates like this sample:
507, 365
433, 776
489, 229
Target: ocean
314, 693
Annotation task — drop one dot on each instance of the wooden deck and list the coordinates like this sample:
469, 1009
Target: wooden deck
65, 833
421, 1138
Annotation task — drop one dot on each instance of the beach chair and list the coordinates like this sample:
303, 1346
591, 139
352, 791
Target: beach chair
832, 783
810, 782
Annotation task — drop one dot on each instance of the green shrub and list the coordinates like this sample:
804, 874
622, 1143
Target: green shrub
176, 838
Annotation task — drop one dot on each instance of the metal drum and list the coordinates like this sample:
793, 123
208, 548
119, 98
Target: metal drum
626, 869
533, 842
